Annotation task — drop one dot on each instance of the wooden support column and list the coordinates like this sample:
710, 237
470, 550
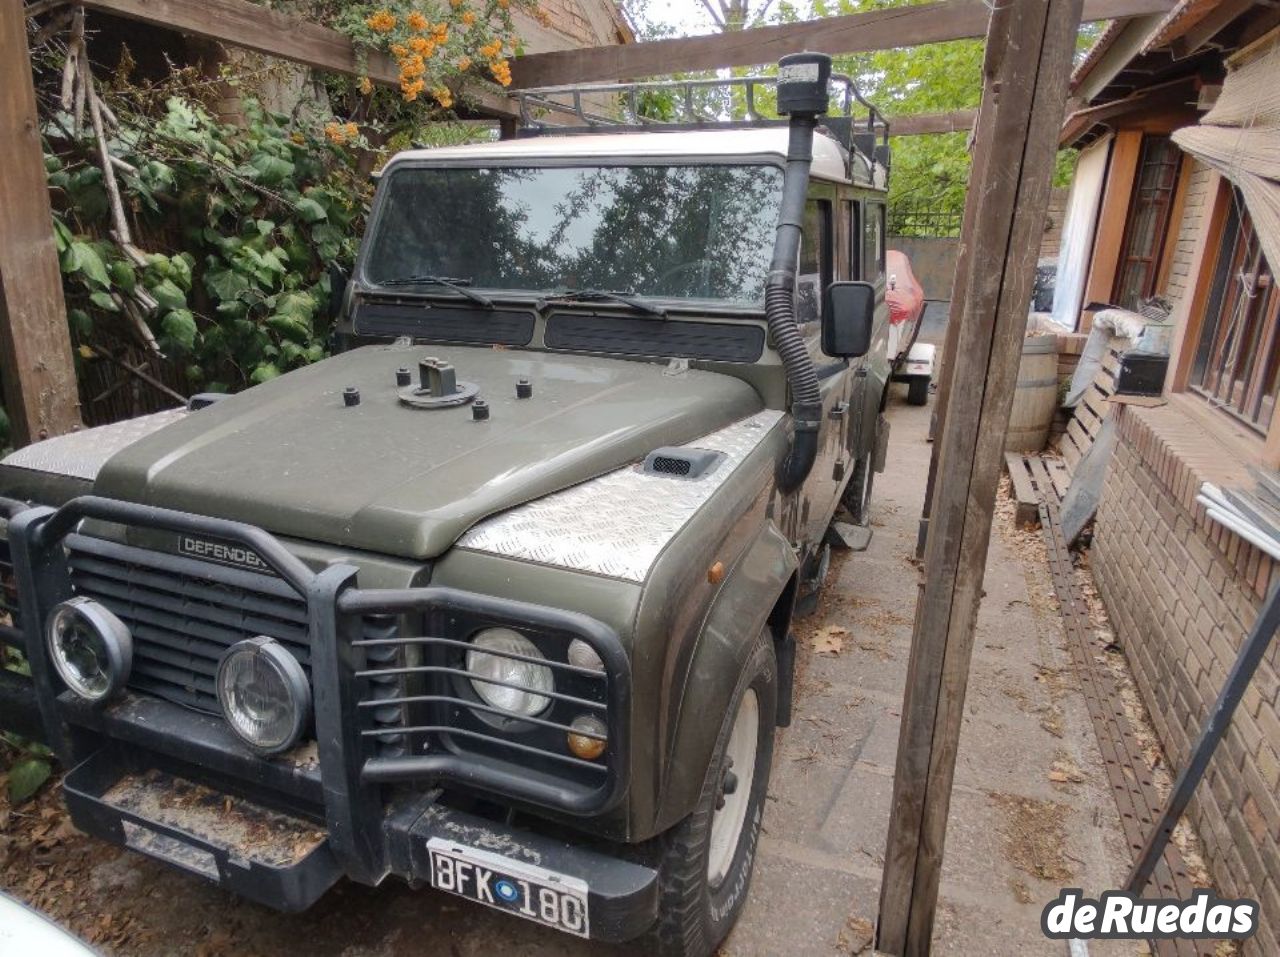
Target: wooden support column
1038, 40
996, 43
36, 364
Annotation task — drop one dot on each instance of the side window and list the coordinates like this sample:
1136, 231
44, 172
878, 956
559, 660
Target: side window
873, 243
816, 260
853, 219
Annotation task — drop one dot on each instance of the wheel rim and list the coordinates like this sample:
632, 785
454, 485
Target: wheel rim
734, 788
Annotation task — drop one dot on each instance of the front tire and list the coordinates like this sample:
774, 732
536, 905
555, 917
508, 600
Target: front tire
707, 859
857, 494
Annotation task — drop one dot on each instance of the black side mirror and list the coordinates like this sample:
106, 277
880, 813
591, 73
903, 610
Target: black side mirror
848, 315
338, 279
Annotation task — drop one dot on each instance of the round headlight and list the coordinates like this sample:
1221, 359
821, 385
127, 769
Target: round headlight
264, 694
488, 659
91, 648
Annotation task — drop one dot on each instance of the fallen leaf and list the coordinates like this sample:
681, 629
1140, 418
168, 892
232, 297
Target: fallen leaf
828, 640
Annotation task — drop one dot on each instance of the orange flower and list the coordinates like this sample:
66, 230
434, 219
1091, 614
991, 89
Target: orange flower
365, 85
382, 22
491, 51
501, 71
410, 89
412, 66
542, 17
469, 18
442, 33
335, 133
351, 130
416, 22
456, 3
443, 96
419, 44
464, 64
504, 4
399, 50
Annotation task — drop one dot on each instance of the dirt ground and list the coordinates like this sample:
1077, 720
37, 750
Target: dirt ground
1030, 812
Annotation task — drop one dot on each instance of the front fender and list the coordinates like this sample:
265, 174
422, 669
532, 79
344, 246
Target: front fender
741, 608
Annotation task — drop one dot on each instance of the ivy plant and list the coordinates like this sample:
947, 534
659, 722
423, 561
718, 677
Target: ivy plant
242, 222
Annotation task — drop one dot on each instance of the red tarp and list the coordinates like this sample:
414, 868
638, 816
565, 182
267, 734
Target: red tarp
906, 296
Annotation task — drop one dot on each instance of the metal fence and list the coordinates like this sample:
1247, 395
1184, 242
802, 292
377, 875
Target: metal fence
925, 220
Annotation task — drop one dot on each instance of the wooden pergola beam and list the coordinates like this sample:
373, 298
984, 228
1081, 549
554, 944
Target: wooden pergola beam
250, 26
853, 33
921, 124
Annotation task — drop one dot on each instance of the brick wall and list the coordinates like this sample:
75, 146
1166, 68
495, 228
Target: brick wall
1194, 210
571, 23
1182, 593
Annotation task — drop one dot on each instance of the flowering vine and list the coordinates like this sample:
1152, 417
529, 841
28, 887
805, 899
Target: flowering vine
438, 43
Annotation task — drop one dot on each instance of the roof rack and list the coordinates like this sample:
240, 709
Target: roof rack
867, 136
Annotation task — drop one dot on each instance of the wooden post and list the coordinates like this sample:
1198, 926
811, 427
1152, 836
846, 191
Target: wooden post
1019, 150
36, 364
996, 43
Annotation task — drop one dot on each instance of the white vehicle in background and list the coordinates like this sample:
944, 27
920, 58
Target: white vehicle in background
28, 932
911, 361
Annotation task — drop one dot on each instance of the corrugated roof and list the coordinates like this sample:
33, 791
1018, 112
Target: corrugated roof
1178, 21
1095, 52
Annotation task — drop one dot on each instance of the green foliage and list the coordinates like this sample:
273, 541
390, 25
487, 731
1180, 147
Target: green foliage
29, 764
931, 171
26, 775
253, 217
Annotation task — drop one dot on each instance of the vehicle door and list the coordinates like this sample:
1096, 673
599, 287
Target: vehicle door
871, 372
823, 237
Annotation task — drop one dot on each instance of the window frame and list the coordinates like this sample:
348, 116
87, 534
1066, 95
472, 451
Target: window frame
1189, 319
881, 240
1163, 199
1237, 339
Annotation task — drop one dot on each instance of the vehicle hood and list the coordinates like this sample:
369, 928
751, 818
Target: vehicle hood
290, 457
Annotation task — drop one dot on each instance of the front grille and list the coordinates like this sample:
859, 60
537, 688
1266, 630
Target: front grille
185, 614
443, 714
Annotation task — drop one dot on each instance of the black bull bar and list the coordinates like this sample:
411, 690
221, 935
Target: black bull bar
350, 786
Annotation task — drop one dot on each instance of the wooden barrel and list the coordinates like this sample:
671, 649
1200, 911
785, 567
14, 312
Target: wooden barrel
1036, 397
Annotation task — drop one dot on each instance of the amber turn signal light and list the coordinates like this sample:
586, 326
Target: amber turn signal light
587, 737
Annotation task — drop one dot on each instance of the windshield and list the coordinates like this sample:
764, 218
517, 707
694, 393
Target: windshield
684, 232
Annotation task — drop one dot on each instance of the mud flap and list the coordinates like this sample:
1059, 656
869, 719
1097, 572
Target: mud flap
882, 444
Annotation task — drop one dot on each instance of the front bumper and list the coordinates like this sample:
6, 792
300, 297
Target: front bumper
288, 863
371, 809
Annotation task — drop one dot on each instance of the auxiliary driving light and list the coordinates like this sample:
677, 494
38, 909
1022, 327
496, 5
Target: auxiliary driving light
587, 737
91, 648
264, 694
509, 661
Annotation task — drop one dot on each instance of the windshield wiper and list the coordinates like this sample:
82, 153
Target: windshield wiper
456, 285
625, 298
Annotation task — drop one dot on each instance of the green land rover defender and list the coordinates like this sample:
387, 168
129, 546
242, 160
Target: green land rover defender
498, 599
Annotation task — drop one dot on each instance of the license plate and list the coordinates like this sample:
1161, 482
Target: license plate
516, 887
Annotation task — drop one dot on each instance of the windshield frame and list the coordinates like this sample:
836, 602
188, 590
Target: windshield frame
365, 286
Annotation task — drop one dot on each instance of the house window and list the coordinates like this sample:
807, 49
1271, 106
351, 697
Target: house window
1237, 357
1148, 222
